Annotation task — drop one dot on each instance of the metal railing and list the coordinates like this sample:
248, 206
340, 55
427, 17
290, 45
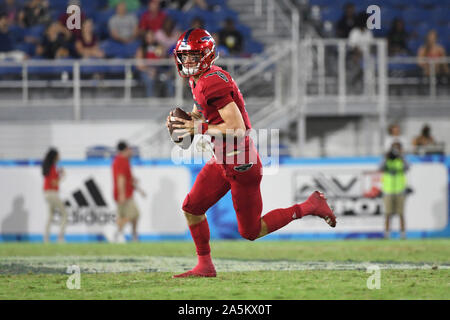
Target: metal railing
25, 83
292, 79
422, 75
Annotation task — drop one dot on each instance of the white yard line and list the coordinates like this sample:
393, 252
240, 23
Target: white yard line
116, 264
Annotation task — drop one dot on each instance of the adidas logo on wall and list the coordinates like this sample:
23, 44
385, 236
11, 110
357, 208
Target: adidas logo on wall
87, 205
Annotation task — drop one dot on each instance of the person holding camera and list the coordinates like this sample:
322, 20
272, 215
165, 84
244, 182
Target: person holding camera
394, 188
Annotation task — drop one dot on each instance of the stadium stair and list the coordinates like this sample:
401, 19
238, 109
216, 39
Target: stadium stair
246, 11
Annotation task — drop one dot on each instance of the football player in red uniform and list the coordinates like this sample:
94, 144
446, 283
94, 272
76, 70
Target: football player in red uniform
219, 111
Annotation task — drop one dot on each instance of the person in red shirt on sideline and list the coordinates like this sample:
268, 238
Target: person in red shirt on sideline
52, 176
124, 186
153, 18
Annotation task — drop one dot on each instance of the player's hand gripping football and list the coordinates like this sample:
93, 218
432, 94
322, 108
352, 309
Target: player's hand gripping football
188, 126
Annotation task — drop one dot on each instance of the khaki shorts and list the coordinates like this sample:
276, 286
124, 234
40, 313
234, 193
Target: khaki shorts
128, 210
55, 204
394, 204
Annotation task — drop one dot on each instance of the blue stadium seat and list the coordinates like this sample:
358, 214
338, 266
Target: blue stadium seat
244, 30
6, 71
177, 16
118, 50
402, 66
101, 19
17, 33
443, 34
206, 16
87, 69
89, 4
60, 5
421, 30
331, 14
428, 3
414, 45
212, 27
49, 70
321, 3
253, 47
131, 48
36, 31
139, 12
111, 48
220, 16
398, 3
439, 16
28, 48
221, 3
416, 15
388, 16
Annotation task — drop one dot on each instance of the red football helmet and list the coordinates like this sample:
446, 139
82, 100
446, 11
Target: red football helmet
199, 46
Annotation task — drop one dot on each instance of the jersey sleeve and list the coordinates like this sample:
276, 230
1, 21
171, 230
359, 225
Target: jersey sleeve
121, 168
218, 90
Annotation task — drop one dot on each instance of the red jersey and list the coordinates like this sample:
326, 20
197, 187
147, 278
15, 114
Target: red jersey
52, 175
152, 22
121, 166
213, 91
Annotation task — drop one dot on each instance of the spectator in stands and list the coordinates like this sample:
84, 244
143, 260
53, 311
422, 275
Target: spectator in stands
178, 4
197, 22
7, 50
424, 139
397, 38
358, 40
123, 26
200, 4
347, 22
55, 44
394, 137
153, 18
35, 12
150, 49
86, 44
73, 34
231, 38
168, 34
132, 5
431, 49
12, 9
64, 16
360, 35
220, 48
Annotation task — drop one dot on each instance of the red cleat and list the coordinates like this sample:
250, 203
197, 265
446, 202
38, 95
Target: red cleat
195, 274
203, 269
316, 205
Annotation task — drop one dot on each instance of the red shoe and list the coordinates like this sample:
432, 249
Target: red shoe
316, 205
203, 269
195, 274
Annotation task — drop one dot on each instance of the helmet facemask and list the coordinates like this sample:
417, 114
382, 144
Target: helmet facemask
197, 63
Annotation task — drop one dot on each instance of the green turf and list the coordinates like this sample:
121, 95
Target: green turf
321, 284
350, 250
310, 284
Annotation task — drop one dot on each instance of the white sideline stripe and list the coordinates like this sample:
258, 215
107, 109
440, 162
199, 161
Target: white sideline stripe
116, 264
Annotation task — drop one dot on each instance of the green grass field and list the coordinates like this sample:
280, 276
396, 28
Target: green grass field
411, 269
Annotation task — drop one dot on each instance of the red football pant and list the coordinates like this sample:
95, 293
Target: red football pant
215, 180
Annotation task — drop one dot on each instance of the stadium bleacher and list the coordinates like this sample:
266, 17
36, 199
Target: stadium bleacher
419, 16
101, 13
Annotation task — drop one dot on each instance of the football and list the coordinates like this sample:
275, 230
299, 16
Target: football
175, 136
